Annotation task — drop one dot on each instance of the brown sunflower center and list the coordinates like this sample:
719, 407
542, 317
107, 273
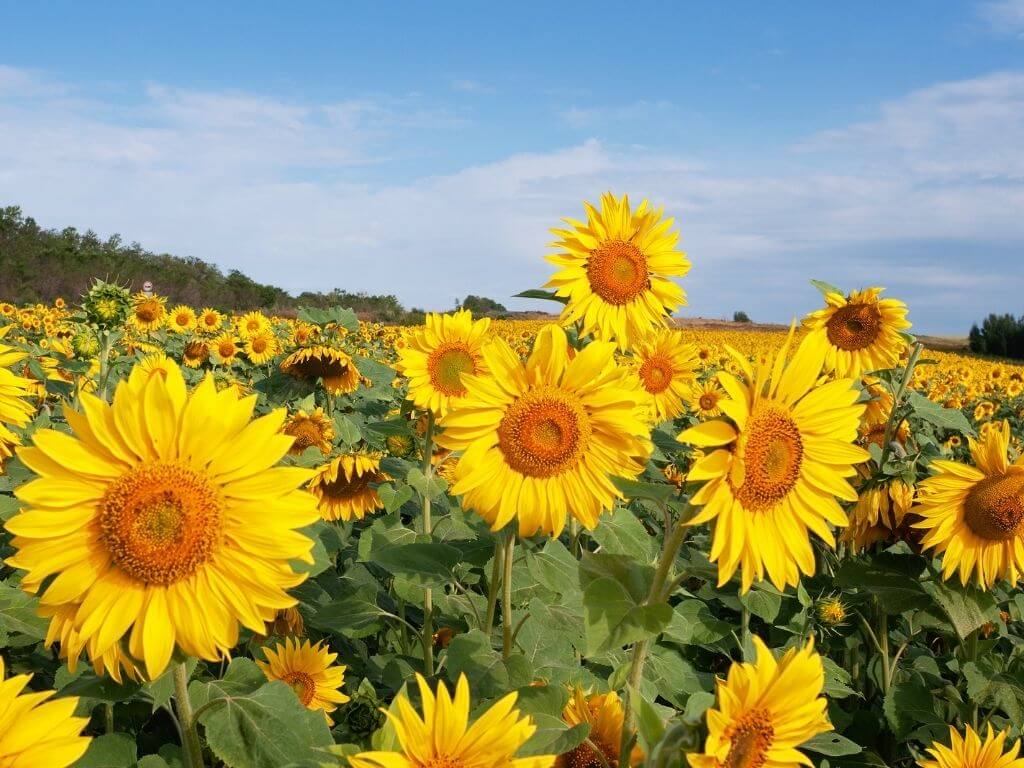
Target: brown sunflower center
617, 271
306, 433
750, 738
182, 319
584, 756
211, 321
259, 344
994, 509
161, 521
146, 312
854, 326
708, 401
342, 488
443, 761
226, 348
197, 350
773, 452
303, 685
656, 374
447, 364
544, 433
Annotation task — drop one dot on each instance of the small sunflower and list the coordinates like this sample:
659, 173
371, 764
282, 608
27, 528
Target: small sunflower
224, 347
15, 408
666, 365
859, 333
181, 319
196, 353
603, 713
444, 738
309, 670
209, 321
148, 312
970, 751
344, 487
261, 347
333, 366
831, 611
705, 397
310, 430
765, 710
253, 324
616, 269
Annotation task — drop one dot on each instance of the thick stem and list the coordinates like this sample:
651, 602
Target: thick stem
105, 347
108, 716
883, 650
428, 593
492, 587
190, 743
506, 592
745, 638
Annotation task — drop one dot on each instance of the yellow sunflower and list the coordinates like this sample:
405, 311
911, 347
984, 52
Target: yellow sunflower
308, 670
969, 751
224, 347
310, 430
181, 319
261, 347
974, 516
878, 514
196, 353
666, 365
778, 464
163, 521
705, 397
543, 440
252, 324
209, 321
114, 661
437, 355
603, 713
859, 333
148, 312
35, 732
344, 487
765, 710
616, 269
14, 408
333, 366
443, 736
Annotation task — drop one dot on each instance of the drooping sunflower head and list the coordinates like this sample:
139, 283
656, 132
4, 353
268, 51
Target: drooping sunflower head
971, 751
880, 512
148, 312
333, 366
344, 487
765, 710
196, 352
974, 515
309, 670
776, 465
666, 366
859, 333
261, 347
543, 440
209, 321
616, 270
438, 354
181, 319
310, 430
603, 713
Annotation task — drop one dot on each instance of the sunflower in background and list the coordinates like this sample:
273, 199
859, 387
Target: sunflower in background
603, 713
616, 270
666, 366
859, 333
224, 348
148, 312
15, 408
181, 319
261, 347
310, 430
209, 321
970, 751
196, 352
704, 399
252, 324
332, 366
309, 670
344, 487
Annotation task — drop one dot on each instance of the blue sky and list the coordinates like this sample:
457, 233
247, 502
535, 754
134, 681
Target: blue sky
425, 148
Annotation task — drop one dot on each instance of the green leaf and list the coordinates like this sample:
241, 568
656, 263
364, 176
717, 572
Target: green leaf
622, 534
613, 618
394, 495
990, 688
89, 686
909, 704
968, 608
831, 744
242, 678
554, 567
19, 613
694, 624
933, 413
895, 579
111, 750
471, 653
826, 288
428, 488
537, 293
650, 727
347, 429
660, 493
762, 603
355, 615
153, 761
422, 563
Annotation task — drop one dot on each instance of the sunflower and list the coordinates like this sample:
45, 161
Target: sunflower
603, 713
667, 367
252, 324
543, 440
14, 408
307, 669
310, 430
766, 709
615, 270
878, 514
196, 353
209, 321
182, 319
114, 661
344, 487
974, 516
36, 732
969, 751
224, 347
333, 366
705, 397
163, 521
443, 736
786, 451
859, 333
148, 312
438, 354
261, 347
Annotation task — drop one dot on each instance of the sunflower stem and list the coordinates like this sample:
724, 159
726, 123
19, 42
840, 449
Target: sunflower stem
506, 592
745, 640
105, 347
883, 649
428, 593
190, 743
108, 716
890, 426
492, 587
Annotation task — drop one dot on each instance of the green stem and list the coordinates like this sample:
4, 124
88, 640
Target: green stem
745, 639
892, 424
883, 650
506, 592
427, 531
190, 743
105, 347
492, 587
108, 716
971, 650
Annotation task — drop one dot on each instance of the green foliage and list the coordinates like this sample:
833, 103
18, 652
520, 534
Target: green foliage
999, 335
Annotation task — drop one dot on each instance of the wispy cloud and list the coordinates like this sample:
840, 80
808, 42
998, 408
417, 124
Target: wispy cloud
637, 111
470, 86
1004, 17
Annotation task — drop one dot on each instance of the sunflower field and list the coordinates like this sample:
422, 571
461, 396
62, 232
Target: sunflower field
592, 541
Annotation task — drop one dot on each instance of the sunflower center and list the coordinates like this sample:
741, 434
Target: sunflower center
994, 508
749, 740
161, 521
617, 271
226, 349
656, 374
584, 756
302, 684
544, 433
447, 364
342, 488
259, 344
854, 326
442, 761
708, 401
773, 452
146, 313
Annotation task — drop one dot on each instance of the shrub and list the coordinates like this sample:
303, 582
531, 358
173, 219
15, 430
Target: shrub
740, 317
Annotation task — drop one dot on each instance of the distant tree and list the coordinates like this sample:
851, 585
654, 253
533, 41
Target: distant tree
999, 335
740, 317
481, 305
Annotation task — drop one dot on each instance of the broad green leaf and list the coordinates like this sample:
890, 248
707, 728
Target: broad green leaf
693, 624
933, 413
111, 750
660, 493
622, 534
613, 618
471, 653
968, 608
536, 293
424, 563
909, 704
553, 737
354, 615
763, 603
831, 744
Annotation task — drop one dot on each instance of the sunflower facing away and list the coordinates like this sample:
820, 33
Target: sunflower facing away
35, 732
616, 269
603, 713
14, 408
344, 487
765, 710
310, 430
667, 366
974, 516
970, 751
333, 366
163, 521
307, 669
543, 440
859, 333
438, 354
775, 467
148, 312
444, 738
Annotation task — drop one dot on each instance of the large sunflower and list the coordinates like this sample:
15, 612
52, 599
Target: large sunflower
333, 366
14, 408
35, 732
543, 440
163, 521
148, 312
859, 333
344, 487
603, 713
766, 710
309, 670
667, 368
970, 751
443, 736
615, 270
775, 467
974, 516
438, 354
